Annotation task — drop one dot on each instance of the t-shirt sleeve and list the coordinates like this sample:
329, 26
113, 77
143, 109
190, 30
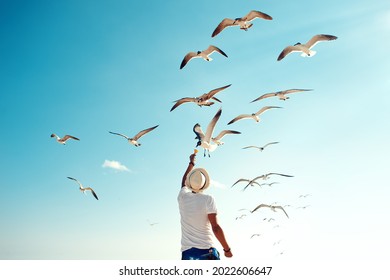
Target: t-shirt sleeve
211, 206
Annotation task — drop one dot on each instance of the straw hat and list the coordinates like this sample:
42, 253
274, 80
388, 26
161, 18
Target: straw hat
198, 180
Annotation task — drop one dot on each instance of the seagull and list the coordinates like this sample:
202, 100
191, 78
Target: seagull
250, 182
272, 207
134, 140
255, 234
205, 140
280, 94
151, 224
243, 22
264, 177
241, 217
63, 139
254, 116
261, 148
203, 100
304, 195
84, 189
205, 54
303, 207
306, 48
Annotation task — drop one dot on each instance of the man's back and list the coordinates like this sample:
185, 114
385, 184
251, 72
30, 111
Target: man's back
195, 226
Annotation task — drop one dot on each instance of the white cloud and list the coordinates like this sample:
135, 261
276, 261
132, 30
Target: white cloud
114, 165
217, 184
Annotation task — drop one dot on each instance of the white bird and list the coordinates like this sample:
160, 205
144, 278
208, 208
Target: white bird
303, 207
203, 100
254, 116
63, 139
205, 54
243, 22
250, 182
241, 217
82, 189
151, 224
272, 207
280, 94
261, 148
304, 195
205, 139
255, 234
306, 48
134, 140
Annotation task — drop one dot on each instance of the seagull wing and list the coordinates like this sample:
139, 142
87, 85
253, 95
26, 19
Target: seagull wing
241, 180
143, 132
270, 143
240, 117
187, 58
286, 51
318, 38
212, 49
222, 25
256, 14
278, 174
120, 135
181, 101
247, 147
250, 182
198, 132
258, 177
66, 137
224, 132
93, 192
259, 206
265, 108
266, 95
211, 126
288, 91
213, 92
280, 207
81, 186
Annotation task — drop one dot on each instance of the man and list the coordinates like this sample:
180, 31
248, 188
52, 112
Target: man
198, 214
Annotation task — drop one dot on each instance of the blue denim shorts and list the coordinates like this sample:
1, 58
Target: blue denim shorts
200, 254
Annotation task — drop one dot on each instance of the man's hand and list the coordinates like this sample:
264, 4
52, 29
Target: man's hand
193, 158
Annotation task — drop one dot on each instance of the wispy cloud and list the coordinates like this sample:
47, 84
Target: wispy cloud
217, 184
116, 165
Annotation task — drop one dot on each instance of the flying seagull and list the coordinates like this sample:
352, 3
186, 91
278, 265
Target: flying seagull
250, 182
203, 100
272, 207
205, 54
243, 22
280, 94
261, 148
205, 139
255, 234
306, 48
84, 189
134, 140
264, 177
254, 116
63, 139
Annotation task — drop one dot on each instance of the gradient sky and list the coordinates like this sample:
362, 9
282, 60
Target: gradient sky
88, 67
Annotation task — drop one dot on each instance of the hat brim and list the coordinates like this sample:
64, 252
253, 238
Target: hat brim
206, 176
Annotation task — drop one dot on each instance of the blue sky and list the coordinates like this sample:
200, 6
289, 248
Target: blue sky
88, 67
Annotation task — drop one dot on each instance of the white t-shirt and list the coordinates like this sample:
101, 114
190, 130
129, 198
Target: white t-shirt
196, 229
